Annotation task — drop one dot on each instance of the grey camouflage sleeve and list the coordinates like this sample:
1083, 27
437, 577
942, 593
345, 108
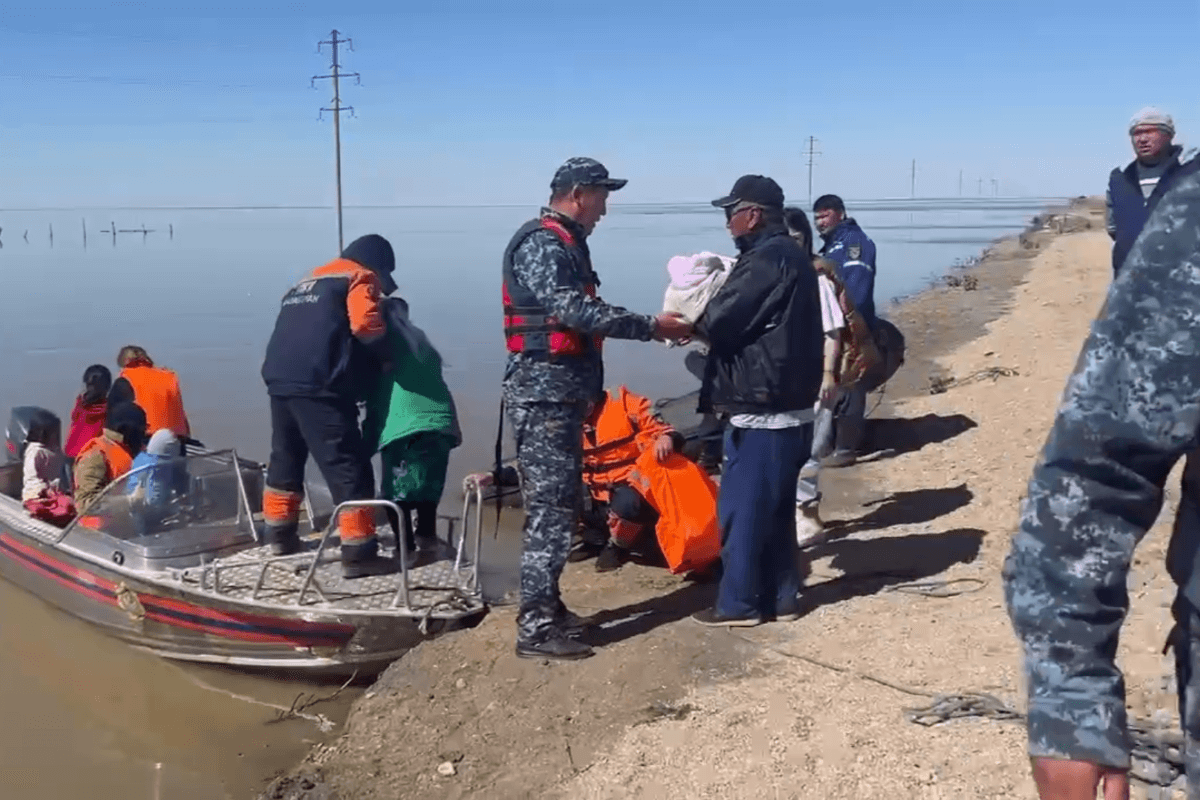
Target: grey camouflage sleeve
1130, 411
543, 265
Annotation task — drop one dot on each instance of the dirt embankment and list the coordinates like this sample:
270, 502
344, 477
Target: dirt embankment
814, 708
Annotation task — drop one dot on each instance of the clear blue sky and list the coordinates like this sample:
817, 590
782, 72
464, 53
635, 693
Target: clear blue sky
158, 103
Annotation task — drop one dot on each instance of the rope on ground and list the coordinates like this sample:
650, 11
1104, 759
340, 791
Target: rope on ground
1157, 755
940, 385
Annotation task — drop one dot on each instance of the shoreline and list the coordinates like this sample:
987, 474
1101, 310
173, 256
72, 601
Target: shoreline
449, 700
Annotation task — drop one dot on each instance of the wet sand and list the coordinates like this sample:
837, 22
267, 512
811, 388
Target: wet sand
668, 709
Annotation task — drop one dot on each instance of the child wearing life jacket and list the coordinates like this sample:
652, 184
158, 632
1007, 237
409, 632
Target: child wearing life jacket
42, 492
87, 417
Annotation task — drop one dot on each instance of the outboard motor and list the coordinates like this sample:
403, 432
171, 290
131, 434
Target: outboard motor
16, 433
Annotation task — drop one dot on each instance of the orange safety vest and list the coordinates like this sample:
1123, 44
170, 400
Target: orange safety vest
685, 497
612, 445
156, 390
524, 315
116, 457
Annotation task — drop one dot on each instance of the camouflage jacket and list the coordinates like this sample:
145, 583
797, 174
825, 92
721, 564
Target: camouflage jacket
1130, 411
543, 265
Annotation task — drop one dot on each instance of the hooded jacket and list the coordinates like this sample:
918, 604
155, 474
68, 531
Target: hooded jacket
329, 337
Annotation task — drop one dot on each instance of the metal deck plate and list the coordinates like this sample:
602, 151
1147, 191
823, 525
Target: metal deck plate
434, 589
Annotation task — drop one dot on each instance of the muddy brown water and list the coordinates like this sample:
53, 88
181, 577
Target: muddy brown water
89, 716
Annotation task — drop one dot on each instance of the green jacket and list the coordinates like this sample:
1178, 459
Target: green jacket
412, 397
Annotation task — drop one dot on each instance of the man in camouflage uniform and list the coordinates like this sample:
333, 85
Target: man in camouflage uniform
554, 324
1130, 411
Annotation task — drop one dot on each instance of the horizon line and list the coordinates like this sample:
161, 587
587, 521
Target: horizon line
270, 207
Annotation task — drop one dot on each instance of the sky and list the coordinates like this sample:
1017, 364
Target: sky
477, 103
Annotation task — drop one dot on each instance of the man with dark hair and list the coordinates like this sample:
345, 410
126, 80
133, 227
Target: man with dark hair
854, 253
554, 326
1133, 192
763, 328
1129, 414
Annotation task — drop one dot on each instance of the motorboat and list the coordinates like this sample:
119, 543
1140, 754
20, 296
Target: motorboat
190, 578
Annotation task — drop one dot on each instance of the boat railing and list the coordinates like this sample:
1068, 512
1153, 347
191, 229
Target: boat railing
210, 573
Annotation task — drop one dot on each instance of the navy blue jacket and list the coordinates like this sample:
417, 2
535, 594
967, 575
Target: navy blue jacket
1130, 209
854, 253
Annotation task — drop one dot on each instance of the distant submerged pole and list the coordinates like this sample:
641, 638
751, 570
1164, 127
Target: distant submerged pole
914, 178
336, 74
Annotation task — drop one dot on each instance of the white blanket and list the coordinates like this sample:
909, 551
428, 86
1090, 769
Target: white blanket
694, 281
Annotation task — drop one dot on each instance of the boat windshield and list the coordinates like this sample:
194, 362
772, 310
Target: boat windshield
194, 492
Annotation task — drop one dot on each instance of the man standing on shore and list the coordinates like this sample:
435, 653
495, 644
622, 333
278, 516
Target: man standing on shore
554, 325
1134, 191
1130, 411
854, 253
763, 328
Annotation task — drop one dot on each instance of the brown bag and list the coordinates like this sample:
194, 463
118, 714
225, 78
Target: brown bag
860, 355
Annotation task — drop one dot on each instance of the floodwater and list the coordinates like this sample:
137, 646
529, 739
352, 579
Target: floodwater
87, 715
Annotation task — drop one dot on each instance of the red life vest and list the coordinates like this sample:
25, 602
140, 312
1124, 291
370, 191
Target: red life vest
528, 327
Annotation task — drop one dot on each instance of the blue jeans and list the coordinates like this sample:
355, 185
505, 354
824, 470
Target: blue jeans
757, 509
850, 424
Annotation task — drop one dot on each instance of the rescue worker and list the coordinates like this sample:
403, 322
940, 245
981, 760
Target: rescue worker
854, 254
1133, 192
633, 470
327, 351
1130, 411
154, 388
553, 326
763, 369
110, 455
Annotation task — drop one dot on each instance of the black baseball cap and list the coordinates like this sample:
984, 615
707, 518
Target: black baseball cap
584, 172
757, 189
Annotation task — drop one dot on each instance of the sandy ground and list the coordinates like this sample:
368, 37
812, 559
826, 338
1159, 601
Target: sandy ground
669, 709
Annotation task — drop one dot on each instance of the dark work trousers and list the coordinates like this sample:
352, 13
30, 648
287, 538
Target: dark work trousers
549, 439
757, 509
328, 431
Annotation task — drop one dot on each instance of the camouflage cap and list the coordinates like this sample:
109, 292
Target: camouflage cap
581, 171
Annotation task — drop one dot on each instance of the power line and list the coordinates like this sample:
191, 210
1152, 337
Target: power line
812, 141
336, 75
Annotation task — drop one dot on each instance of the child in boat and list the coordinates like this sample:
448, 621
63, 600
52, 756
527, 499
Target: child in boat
412, 422
87, 417
42, 492
151, 487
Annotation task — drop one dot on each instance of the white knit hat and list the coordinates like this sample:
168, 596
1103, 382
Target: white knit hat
163, 443
1153, 116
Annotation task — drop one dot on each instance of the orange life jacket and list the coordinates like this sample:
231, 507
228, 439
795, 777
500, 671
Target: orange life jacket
156, 390
116, 457
528, 326
622, 430
685, 497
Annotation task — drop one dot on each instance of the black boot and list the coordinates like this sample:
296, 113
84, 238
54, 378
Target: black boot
284, 539
363, 560
556, 646
610, 558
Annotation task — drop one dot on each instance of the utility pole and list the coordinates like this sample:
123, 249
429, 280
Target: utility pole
914, 178
812, 151
995, 187
336, 74
981, 187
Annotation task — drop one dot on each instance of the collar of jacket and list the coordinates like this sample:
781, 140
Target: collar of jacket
1171, 159
832, 234
569, 223
753, 239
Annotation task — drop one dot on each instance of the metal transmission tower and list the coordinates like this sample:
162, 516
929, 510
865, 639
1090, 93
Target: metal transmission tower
811, 153
336, 74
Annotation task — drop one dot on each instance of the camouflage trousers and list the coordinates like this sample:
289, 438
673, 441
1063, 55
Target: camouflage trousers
1185, 639
549, 440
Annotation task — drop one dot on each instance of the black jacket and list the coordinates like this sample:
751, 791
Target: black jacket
764, 330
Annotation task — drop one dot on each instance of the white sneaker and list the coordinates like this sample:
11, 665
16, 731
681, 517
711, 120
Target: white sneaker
809, 529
